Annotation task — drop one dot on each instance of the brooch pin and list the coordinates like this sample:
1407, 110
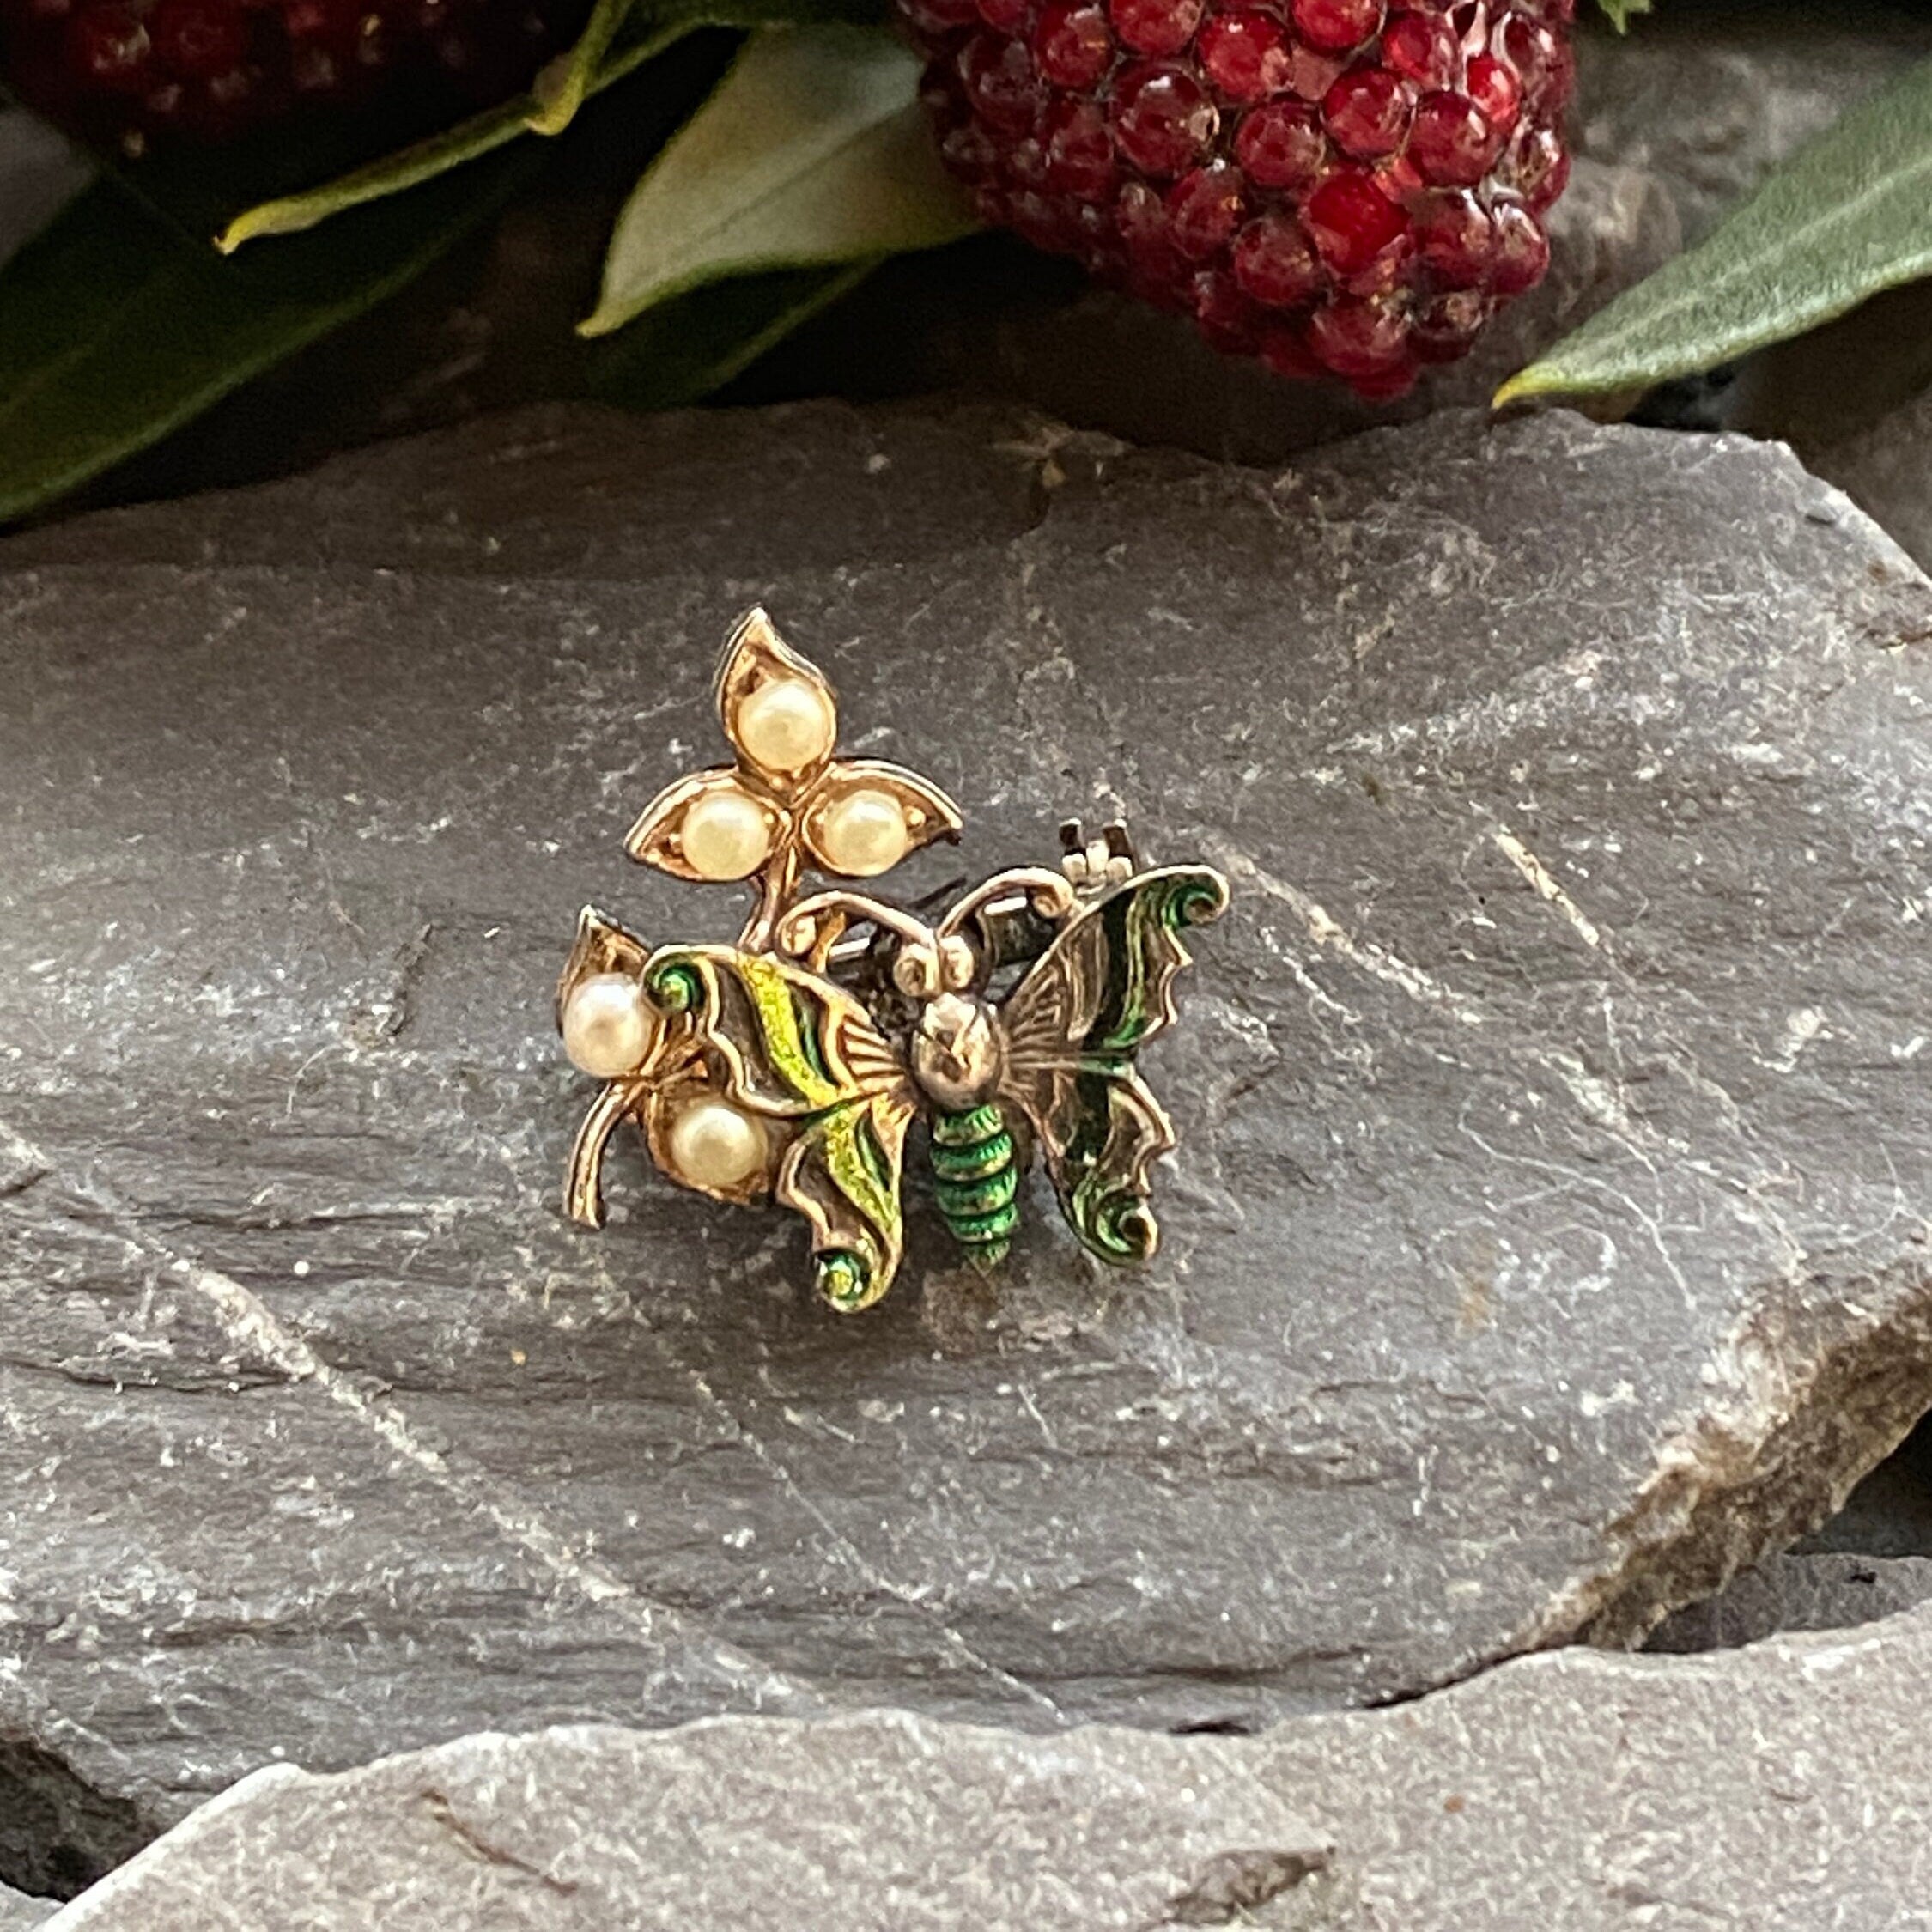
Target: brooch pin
790, 1066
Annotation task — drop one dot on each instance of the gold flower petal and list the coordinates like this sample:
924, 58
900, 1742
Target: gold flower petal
601, 946
659, 836
926, 812
756, 656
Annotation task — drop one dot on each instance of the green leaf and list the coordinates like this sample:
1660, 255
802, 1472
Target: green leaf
114, 329
1620, 11
563, 86
811, 151
685, 349
1847, 216
467, 141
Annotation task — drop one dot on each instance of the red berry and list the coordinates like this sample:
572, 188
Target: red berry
1351, 221
1162, 118
110, 47
1337, 24
1001, 85
1367, 112
1079, 151
1274, 261
1341, 188
199, 38
1154, 27
1494, 88
1246, 54
1521, 253
1455, 236
1071, 46
1204, 210
1421, 48
1227, 317
1281, 146
119, 70
1450, 142
1359, 339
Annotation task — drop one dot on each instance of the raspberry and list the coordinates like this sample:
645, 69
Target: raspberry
126, 71
1343, 188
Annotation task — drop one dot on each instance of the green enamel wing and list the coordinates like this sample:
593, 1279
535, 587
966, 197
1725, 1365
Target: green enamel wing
832, 1096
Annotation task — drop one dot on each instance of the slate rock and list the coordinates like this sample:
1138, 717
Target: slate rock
1548, 1234
1889, 1513
1886, 470
21, 1913
1782, 1788
1789, 1593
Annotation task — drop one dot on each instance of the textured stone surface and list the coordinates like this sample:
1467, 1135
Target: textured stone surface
1887, 471
1782, 1789
1535, 1252
19, 1913
1790, 1592
1889, 1514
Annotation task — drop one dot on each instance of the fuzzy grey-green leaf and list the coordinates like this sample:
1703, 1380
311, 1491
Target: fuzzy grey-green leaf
1847, 216
812, 151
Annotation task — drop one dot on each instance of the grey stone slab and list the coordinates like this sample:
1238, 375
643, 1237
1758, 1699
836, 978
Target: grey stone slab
19, 1913
1782, 1788
1789, 1593
1535, 1255
1886, 470
1889, 1514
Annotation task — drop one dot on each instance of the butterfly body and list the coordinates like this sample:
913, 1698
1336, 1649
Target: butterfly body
975, 1180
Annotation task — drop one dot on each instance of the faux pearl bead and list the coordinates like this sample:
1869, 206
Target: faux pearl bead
725, 835
863, 834
787, 725
606, 1026
715, 1145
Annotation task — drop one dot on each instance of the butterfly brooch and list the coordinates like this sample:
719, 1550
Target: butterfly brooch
791, 1066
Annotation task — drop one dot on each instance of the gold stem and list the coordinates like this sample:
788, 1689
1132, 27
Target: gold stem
583, 1185
774, 887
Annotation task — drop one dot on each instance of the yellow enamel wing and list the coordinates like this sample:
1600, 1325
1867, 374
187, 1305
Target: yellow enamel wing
790, 1066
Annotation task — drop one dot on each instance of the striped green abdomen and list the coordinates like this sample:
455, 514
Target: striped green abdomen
976, 1181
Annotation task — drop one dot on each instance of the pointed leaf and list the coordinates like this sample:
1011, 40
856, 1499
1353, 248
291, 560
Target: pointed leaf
685, 349
424, 160
114, 328
812, 150
1849, 215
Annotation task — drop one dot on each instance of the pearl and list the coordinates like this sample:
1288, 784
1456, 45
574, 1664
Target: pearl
786, 723
863, 834
607, 1026
714, 1144
726, 835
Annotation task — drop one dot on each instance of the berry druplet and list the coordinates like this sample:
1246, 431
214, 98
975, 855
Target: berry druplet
1163, 119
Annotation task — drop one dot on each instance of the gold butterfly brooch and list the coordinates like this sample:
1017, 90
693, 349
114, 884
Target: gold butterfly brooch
789, 1066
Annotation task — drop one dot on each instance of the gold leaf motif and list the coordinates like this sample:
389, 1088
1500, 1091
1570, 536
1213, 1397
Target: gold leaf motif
601, 946
696, 1078
927, 813
756, 655
656, 838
